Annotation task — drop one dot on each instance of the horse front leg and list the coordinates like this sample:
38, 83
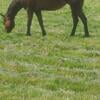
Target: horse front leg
29, 21
39, 16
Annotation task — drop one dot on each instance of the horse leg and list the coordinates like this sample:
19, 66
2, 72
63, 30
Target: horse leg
75, 21
29, 21
84, 21
39, 16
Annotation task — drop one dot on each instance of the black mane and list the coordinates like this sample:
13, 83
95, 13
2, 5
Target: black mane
13, 9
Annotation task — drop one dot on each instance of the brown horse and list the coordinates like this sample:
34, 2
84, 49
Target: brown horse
36, 6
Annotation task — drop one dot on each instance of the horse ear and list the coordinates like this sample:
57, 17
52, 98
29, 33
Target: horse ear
2, 15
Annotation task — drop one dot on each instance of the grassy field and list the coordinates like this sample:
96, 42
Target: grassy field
54, 67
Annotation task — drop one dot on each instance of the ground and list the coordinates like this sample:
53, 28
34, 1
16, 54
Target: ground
55, 67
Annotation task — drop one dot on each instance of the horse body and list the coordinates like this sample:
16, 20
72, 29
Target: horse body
36, 6
49, 5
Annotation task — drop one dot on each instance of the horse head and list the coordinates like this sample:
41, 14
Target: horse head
8, 23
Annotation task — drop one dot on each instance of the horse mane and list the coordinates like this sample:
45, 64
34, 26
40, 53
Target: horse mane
13, 9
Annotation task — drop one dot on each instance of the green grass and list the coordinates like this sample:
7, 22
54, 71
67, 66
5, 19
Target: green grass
54, 67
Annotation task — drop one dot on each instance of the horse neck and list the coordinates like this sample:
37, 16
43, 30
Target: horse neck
13, 9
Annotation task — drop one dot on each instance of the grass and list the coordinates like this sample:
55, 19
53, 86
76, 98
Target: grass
54, 67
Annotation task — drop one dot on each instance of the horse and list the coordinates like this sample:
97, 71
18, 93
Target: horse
37, 6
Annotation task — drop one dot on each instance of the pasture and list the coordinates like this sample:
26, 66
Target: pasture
55, 67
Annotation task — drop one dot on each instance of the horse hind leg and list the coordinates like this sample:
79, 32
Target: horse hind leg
76, 7
84, 21
75, 21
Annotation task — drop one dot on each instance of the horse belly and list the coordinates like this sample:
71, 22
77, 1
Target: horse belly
49, 4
